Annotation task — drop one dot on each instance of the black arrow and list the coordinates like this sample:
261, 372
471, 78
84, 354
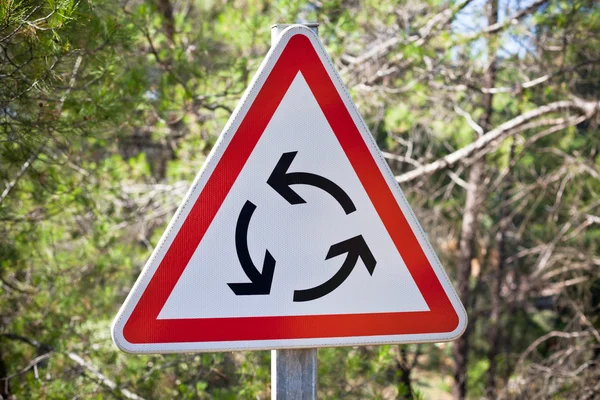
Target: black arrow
355, 248
281, 180
260, 282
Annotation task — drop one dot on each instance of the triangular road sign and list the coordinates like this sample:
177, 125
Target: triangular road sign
294, 233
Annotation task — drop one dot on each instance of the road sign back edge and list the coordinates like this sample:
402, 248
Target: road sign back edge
208, 168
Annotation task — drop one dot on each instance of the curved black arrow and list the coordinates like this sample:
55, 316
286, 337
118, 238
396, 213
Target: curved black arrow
355, 248
281, 180
260, 281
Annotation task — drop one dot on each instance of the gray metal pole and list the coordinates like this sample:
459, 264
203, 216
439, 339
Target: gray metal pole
293, 372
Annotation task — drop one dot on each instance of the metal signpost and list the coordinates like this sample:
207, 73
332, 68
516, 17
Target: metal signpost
293, 236
294, 374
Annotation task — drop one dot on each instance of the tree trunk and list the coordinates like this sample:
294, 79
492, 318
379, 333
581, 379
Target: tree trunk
463, 273
405, 369
406, 384
4, 383
494, 330
470, 217
166, 9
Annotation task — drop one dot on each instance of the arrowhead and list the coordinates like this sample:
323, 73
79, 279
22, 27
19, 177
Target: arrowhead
260, 285
279, 182
355, 247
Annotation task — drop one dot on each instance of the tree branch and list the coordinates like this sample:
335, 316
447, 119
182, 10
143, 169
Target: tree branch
40, 148
74, 357
102, 378
381, 49
515, 125
514, 19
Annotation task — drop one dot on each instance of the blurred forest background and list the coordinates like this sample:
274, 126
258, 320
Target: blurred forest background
487, 111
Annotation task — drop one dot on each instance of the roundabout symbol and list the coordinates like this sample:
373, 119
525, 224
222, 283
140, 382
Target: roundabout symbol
355, 248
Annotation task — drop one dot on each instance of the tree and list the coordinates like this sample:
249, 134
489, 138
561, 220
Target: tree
486, 111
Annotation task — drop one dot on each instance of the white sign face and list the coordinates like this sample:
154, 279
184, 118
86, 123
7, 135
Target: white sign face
294, 234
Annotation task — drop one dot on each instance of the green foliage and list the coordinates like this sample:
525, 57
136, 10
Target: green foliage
477, 377
109, 108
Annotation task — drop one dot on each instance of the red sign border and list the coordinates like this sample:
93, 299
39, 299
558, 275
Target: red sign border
143, 326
